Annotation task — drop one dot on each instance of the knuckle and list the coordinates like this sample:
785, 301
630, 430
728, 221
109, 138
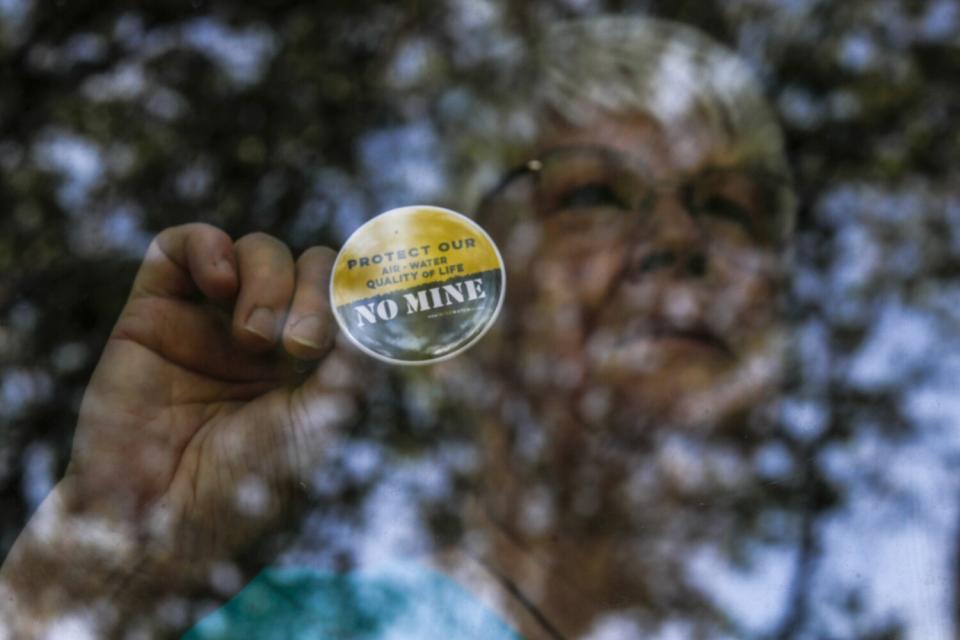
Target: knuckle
189, 231
163, 236
259, 239
200, 227
318, 252
316, 257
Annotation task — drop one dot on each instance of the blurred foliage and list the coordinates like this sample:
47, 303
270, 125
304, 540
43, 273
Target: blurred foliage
303, 119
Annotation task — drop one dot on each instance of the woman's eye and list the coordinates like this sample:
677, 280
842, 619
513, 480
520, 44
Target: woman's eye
728, 209
595, 194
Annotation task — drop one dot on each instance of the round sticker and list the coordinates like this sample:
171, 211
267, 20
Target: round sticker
417, 284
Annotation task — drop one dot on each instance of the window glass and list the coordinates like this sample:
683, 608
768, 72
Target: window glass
718, 400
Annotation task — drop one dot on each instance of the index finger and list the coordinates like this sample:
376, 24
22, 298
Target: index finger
184, 259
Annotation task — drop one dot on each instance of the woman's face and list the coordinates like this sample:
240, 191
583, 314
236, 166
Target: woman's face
643, 274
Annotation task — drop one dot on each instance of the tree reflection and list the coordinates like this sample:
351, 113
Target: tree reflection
814, 498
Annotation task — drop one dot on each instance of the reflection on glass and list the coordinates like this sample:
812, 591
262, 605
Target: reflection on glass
632, 452
728, 203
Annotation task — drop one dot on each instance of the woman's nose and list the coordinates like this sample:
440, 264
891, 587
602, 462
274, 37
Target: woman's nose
672, 242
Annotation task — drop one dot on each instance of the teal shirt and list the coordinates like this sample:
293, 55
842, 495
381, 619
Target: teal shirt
397, 603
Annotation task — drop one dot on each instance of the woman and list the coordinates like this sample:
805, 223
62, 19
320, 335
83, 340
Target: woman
644, 243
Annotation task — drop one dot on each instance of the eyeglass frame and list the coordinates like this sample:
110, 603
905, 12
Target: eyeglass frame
780, 230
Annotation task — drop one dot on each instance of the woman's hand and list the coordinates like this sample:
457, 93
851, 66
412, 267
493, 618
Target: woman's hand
195, 435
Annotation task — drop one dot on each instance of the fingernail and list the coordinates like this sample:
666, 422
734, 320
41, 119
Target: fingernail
262, 322
311, 331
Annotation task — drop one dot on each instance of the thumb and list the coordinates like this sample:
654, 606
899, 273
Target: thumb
319, 411
285, 438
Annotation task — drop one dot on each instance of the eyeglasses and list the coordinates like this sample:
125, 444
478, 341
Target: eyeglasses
746, 203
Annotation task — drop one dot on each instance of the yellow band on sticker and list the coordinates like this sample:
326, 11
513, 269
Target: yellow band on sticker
396, 252
417, 284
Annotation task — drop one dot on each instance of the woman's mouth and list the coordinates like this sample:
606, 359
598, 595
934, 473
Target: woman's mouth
695, 335
655, 334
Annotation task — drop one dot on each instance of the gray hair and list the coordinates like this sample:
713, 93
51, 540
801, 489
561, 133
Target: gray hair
674, 73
